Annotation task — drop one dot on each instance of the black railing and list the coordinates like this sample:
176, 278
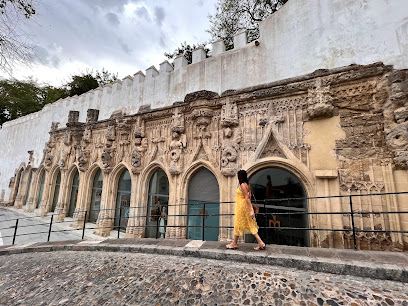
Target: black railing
272, 212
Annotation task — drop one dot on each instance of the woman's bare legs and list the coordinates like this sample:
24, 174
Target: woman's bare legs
234, 242
260, 242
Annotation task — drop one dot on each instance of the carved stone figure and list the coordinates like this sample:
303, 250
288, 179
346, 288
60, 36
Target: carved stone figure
397, 139
111, 133
83, 159
106, 158
67, 137
320, 102
202, 118
63, 158
54, 126
87, 137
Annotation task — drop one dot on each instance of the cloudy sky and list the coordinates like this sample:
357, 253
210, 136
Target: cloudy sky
122, 36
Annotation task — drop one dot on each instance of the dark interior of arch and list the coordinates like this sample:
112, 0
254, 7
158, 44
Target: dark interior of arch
280, 197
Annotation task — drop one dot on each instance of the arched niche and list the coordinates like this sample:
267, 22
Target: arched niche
157, 205
56, 190
123, 194
41, 188
73, 197
203, 206
280, 195
30, 176
96, 195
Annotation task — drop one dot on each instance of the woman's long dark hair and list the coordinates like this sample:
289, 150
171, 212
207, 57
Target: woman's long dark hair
242, 177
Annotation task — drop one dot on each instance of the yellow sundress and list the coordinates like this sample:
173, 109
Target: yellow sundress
243, 223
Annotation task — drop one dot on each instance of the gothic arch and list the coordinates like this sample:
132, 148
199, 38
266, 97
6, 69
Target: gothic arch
188, 174
67, 191
298, 169
143, 192
17, 179
37, 186
113, 180
89, 178
51, 185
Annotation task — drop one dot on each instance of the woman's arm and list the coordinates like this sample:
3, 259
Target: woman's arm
246, 193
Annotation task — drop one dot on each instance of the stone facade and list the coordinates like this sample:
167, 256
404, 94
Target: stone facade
341, 132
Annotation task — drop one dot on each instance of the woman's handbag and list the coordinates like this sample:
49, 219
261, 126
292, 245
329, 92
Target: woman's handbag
255, 206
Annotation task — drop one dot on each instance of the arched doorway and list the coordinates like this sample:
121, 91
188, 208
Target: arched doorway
279, 194
56, 191
74, 194
123, 200
29, 187
96, 197
17, 183
40, 195
203, 188
157, 205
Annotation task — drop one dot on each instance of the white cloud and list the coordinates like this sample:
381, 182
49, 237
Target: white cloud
122, 36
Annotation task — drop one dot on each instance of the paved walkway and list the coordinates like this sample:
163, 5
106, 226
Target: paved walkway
32, 228
123, 278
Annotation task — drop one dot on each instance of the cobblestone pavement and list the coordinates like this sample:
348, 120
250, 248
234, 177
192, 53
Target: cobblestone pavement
104, 278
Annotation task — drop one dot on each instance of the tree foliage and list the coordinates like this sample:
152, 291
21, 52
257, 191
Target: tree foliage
89, 80
15, 45
19, 98
232, 16
186, 50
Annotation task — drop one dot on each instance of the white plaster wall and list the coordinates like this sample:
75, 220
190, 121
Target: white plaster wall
303, 36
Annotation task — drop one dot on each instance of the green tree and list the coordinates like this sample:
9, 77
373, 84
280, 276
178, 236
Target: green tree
232, 16
89, 80
19, 98
15, 46
52, 94
186, 50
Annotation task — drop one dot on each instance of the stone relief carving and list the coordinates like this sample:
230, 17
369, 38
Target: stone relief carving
397, 139
319, 101
107, 159
202, 118
83, 159
63, 156
140, 147
231, 139
177, 144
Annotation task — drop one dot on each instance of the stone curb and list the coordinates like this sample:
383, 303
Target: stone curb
325, 265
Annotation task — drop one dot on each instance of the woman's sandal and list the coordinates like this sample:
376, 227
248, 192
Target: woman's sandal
260, 247
231, 247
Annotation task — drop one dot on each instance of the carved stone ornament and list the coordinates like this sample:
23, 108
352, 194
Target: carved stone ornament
83, 159
397, 139
320, 102
67, 138
177, 144
63, 158
54, 126
31, 158
229, 115
230, 149
202, 118
87, 137
110, 133
202, 94
107, 158
136, 162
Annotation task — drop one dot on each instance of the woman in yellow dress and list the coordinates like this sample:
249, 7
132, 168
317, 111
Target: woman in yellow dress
244, 220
